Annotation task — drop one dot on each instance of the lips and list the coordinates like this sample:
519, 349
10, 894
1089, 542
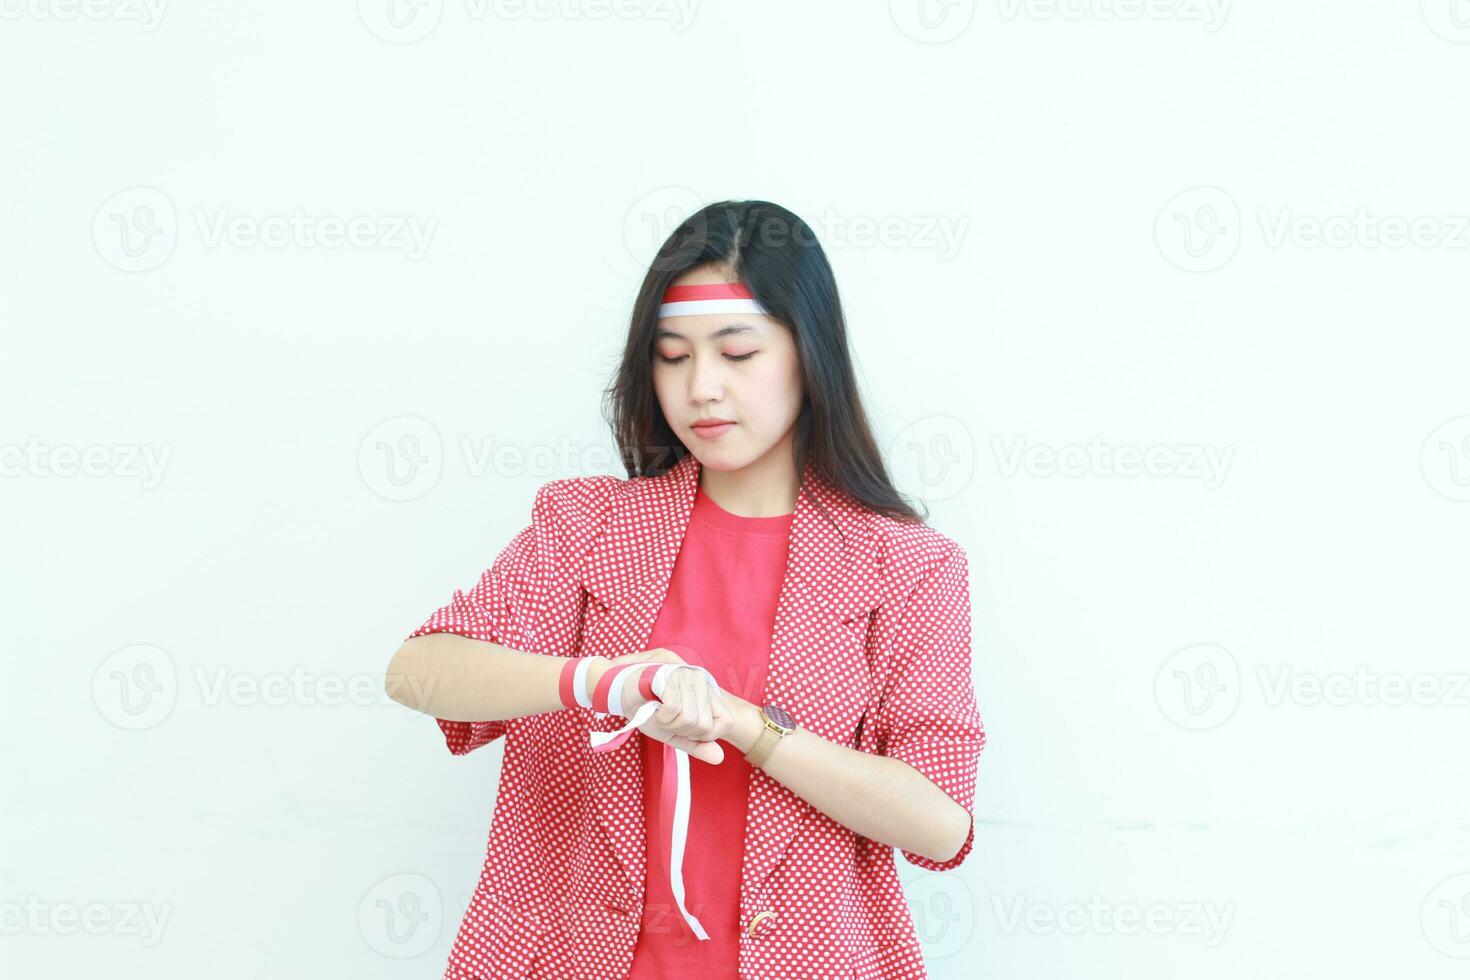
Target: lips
711, 429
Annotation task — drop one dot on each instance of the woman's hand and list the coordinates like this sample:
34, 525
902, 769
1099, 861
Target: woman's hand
692, 714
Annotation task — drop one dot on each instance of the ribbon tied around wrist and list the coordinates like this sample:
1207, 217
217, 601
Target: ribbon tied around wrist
673, 794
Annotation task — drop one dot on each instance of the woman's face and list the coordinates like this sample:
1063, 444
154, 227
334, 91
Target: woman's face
738, 367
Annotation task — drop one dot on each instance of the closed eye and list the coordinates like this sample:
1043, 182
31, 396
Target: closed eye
728, 357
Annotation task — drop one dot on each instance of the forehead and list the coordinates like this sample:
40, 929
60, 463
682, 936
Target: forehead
710, 327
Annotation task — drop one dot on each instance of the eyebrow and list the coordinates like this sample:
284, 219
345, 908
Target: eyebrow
734, 328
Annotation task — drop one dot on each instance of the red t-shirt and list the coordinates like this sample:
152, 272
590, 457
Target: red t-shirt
719, 612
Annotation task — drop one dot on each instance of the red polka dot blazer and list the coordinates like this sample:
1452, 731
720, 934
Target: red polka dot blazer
871, 649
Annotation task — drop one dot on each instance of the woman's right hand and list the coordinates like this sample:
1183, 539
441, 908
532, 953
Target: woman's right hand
692, 715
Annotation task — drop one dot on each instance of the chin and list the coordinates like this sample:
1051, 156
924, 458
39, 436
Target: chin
724, 459
713, 459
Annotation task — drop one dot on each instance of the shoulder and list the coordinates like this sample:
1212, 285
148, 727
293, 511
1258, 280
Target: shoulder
580, 496
576, 507
910, 552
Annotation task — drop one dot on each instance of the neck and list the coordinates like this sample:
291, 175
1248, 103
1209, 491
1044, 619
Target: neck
765, 488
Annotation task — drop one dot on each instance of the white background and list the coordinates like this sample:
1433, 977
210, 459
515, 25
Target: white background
1179, 228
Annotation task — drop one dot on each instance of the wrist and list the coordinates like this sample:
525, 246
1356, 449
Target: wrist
748, 724
597, 686
595, 670
567, 674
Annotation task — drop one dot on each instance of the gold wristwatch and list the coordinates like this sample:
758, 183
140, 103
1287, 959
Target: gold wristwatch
777, 725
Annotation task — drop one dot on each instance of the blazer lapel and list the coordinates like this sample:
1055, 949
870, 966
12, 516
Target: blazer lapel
818, 668
627, 573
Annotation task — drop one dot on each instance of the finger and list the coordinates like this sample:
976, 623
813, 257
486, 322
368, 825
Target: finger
710, 752
688, 709
668, 708
657, 732
667, 734
703, 716
679, 697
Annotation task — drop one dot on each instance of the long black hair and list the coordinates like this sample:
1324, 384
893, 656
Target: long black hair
777, 255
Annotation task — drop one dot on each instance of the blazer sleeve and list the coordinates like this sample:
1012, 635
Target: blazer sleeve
926, 714
529, 599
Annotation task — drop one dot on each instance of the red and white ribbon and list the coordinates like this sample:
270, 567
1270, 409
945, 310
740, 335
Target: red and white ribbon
713, 297
674, 793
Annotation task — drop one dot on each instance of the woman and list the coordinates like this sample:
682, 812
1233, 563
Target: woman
816, 627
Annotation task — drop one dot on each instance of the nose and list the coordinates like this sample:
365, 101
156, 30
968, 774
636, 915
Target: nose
707, 381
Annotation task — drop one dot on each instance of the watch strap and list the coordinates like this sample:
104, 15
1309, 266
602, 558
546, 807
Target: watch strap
771, 733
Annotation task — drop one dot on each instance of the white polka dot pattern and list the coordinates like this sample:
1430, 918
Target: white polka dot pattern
871, 649
531, 586
926, 714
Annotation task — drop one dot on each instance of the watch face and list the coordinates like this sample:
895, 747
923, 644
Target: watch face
780, 716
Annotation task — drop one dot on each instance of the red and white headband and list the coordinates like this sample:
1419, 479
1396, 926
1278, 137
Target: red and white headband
713, 297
